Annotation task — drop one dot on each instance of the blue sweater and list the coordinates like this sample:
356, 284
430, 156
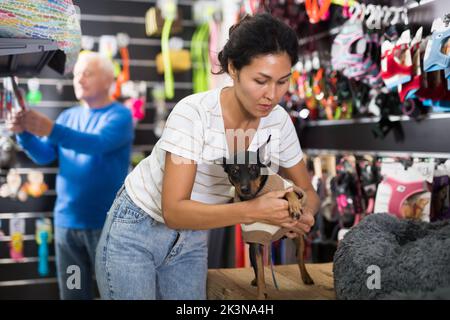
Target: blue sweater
93, 147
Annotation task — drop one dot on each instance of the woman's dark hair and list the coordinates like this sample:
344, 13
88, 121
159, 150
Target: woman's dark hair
257, 35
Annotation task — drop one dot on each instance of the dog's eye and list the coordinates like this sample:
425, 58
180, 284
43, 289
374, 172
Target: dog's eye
253, 170
235, 171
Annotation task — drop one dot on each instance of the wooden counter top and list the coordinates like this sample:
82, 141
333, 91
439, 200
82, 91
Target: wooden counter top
234, 284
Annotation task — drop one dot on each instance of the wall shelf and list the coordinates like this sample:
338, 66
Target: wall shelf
419, 137
25, 57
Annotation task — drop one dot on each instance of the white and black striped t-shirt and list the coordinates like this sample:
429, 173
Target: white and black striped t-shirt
195, 130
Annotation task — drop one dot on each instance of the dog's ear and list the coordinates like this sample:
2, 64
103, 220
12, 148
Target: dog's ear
261, 152
264, 145
262, 165
224, 163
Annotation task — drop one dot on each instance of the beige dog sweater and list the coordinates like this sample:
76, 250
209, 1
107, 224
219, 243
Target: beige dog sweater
263, 233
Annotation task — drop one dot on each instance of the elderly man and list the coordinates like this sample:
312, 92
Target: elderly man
93, 144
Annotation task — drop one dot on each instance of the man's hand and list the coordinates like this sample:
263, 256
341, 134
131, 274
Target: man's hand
14, 122
37, 123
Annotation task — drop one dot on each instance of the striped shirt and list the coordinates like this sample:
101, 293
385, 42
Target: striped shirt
195, 130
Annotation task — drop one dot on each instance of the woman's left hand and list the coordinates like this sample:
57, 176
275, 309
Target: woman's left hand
302, 225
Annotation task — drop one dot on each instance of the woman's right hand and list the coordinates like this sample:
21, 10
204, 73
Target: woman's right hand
272, 208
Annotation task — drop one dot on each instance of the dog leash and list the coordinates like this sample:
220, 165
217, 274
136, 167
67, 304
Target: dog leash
271, 267
200, 58
124, 75
168, 74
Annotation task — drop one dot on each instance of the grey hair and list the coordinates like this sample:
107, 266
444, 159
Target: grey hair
104, 62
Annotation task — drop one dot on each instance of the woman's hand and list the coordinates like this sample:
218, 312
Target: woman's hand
302, 225
299, 176
272, 208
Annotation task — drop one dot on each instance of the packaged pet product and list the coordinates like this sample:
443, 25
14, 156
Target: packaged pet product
17, 230
440, 200
405, 190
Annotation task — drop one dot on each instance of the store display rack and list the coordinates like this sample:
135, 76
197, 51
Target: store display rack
25, 57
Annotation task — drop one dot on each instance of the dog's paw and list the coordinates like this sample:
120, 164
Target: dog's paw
308, 281
301, 195
295, 209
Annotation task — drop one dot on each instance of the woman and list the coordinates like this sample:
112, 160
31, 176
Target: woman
154, 242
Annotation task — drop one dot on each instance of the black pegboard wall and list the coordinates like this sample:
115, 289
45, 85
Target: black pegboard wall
98, 17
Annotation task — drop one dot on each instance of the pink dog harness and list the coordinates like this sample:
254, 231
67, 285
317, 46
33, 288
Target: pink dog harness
402, 191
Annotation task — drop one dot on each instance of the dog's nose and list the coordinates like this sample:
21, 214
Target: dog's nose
245, 189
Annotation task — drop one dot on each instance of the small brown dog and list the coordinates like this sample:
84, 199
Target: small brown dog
250, 183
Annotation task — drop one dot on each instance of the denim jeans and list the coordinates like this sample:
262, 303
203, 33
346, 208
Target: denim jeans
139, 258
75, 247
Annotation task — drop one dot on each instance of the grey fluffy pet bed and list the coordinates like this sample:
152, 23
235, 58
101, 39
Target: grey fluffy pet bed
413, 257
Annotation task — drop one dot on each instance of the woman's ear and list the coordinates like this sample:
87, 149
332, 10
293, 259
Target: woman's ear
232, 70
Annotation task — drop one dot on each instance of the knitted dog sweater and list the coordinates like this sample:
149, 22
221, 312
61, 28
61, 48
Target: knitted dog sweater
263, 233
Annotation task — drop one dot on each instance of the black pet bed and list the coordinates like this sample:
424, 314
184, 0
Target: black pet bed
413, 259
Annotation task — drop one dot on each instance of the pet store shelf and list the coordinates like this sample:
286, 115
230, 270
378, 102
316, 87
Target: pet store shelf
404, 154
334, 31
426, 136
24, 260
27, 282
25, 237
25, 57
26, 215
69, 82
314, 123
180, 2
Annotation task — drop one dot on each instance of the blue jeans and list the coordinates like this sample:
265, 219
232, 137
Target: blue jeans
75, 247
139, 258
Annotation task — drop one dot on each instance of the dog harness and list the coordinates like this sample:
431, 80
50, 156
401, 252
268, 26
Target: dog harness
407, 90
434, 59
342, 54
402, 191
392, 71
351, 54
